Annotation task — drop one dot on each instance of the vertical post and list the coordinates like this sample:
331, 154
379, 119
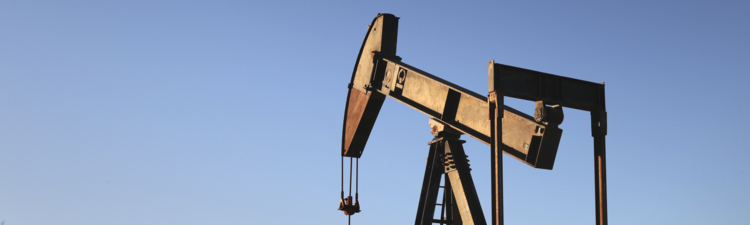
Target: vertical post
496, 103
496, 162
599, 132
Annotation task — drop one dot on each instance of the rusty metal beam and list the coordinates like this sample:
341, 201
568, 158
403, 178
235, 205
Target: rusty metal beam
496, 158
552, 89
363, 106
466, 111
379, 72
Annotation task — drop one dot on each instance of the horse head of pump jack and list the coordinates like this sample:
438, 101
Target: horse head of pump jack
378, 73
455, 111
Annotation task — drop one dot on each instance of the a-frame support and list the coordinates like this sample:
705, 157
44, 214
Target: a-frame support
380, 73
447, 157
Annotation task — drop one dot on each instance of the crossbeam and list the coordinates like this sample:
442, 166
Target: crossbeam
547, 88
379, 73
552, 89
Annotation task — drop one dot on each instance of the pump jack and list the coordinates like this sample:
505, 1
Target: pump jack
455, 111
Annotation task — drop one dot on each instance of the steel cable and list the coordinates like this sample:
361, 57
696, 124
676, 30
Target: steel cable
356, 185
342, 177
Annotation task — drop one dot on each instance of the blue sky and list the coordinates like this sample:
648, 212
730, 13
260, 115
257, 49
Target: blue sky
230, 112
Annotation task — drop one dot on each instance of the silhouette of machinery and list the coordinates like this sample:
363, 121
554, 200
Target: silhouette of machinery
456, 111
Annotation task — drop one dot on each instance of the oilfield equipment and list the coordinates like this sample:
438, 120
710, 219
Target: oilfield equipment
455, 111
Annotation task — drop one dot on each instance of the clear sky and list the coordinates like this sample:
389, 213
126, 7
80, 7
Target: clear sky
230, 112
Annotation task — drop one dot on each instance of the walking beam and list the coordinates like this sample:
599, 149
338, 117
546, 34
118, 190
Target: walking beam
379, 73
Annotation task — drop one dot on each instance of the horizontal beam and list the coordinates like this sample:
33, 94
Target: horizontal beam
552, 89
466, 111
378, 72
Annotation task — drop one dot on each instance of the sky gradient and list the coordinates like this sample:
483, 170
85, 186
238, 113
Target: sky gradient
230, 112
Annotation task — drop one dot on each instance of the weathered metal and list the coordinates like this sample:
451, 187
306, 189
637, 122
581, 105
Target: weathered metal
430, 186
599, 131
447, 157
454, 110
363, 105
548, 114
552, 89
458, 170
381, 73
467, 112
349, 206
548, 89
449, 214
496, 100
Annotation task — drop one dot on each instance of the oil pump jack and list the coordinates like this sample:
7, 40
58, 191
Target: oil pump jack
455, 111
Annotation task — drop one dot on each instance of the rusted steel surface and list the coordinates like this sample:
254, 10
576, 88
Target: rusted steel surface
468, 112
458, 107
452, 215
457, 168
496, 100
379, 72
447, 157
361, 112
548, 89
363, 105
